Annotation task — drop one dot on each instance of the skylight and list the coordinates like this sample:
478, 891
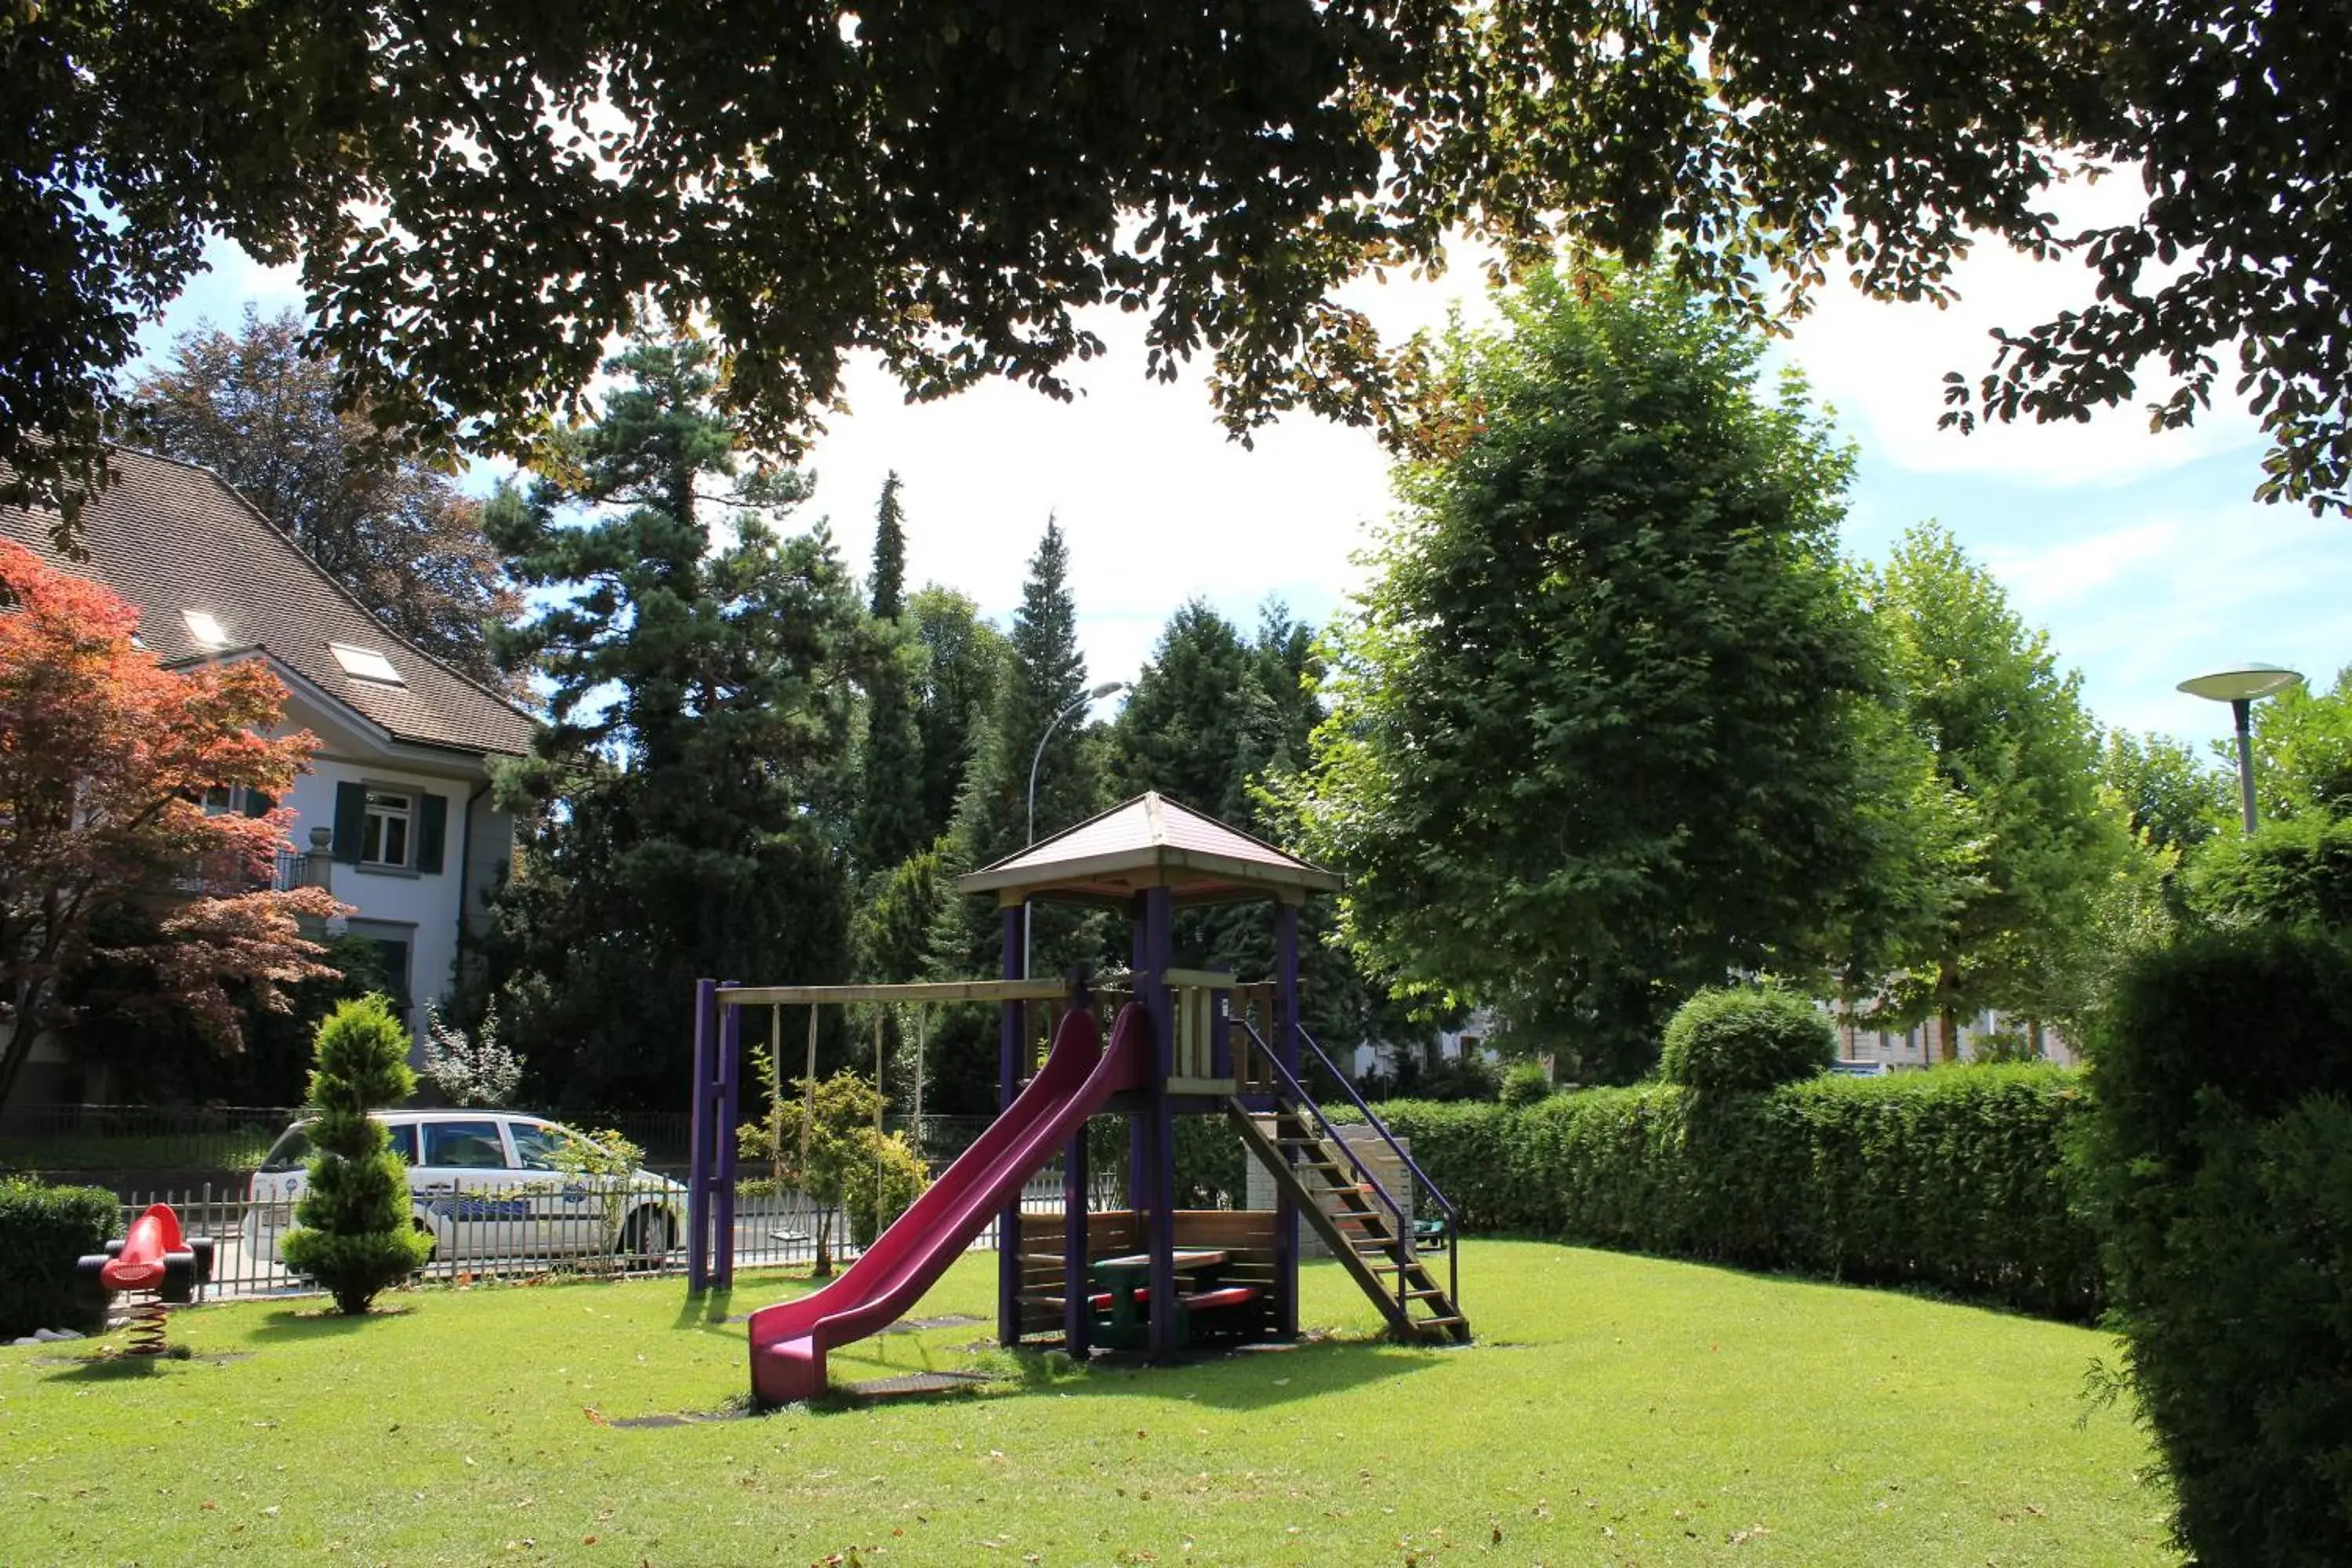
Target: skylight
205, 628
365, 663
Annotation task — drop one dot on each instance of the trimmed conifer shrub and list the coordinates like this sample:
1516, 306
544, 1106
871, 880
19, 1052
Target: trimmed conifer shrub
1740, 1038
351, 1230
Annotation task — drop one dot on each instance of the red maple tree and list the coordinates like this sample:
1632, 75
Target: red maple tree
106, 759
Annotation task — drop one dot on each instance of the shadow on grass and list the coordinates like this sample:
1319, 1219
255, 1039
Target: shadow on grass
1258, 1378
704, 1310
116, 1366
321, 1323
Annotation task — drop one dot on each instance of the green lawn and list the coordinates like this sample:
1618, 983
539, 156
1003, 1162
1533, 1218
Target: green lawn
1616, 1410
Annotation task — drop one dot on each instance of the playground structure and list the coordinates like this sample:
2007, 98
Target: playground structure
157, 1266
1183, 1042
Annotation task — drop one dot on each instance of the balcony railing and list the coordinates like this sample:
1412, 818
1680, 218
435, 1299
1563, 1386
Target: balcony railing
301, 868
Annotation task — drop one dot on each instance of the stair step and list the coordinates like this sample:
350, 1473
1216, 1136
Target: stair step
1424, 1296
1438, 1323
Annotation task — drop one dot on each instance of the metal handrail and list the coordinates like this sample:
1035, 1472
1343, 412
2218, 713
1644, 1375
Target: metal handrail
1453, 1216
1371, 1119
1331, 1131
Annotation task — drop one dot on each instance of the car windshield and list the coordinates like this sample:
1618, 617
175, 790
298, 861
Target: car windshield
292, 1151
542, 1148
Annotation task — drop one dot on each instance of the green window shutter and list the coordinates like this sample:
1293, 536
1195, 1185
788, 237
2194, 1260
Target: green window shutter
350, 821
432, 828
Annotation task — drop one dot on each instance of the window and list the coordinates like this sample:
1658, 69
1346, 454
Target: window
236, 800
404, 1141
385, 837
205, 628
539, 1148
464, 1145
366, 664
292, 1151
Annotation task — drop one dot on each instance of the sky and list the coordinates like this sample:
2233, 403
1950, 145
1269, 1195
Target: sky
2144, 556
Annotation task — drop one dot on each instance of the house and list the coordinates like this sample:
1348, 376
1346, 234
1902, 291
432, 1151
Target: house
1864, 1044
395, 817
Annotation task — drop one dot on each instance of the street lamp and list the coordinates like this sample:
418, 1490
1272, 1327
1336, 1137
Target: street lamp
1107, 689
2240, 686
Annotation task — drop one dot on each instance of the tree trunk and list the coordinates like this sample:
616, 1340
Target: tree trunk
1947, 982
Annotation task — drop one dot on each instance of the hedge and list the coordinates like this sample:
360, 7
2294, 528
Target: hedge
43, 1231
1952, 1180
2219, 1167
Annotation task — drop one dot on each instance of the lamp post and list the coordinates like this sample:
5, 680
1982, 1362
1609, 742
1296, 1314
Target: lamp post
2240, 686
1107, 688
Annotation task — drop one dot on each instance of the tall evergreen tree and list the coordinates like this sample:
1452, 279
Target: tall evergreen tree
1213, 718
686, 803
1041, 674
963, 657
889, 553
890, 823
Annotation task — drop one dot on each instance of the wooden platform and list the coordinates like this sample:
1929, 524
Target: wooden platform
919, 1382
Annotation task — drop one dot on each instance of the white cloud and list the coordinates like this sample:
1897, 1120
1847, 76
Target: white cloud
1881, 366
2165, 593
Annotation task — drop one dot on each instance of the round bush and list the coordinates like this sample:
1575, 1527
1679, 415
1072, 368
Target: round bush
903, 1179
1744, 1040
1525, 1084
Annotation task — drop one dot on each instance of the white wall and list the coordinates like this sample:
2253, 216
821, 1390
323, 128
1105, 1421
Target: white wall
426, 901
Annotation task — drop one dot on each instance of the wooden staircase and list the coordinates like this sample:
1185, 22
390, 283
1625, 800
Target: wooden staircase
1356, 1222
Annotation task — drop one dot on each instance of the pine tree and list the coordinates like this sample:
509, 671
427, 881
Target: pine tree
963, 656
1213, 718
889, 798
889, 553
1041, 674
687, 807
351, 1230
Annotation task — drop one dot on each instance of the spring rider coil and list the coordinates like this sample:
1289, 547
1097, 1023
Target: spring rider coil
156, 1265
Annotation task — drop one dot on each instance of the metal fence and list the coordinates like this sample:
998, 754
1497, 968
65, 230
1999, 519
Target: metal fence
115, 1142
123, 1140
497, 1232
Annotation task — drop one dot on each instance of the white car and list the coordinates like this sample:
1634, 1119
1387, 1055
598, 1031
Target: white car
488, 1186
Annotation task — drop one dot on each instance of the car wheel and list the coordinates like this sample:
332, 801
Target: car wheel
648, 1237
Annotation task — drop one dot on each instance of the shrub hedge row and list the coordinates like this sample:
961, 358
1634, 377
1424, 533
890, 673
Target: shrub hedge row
1952, 1180
2219, 1170
43, 1231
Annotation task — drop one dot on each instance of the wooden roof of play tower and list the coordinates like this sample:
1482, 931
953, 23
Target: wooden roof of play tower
1150, 842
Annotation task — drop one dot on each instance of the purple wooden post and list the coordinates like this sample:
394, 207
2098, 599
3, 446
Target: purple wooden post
1139, 1129
1159, 927
1078, 1314
1011, 1039
698, 1151
724, 1121
1284, 1041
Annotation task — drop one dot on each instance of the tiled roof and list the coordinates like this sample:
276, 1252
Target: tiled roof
173, 536
1151, 841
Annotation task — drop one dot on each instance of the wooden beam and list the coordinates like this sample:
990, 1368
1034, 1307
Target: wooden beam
922, 991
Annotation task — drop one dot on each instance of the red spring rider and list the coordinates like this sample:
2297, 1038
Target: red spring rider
155, 1263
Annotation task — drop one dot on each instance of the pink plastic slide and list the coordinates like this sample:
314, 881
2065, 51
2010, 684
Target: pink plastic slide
789, 1341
